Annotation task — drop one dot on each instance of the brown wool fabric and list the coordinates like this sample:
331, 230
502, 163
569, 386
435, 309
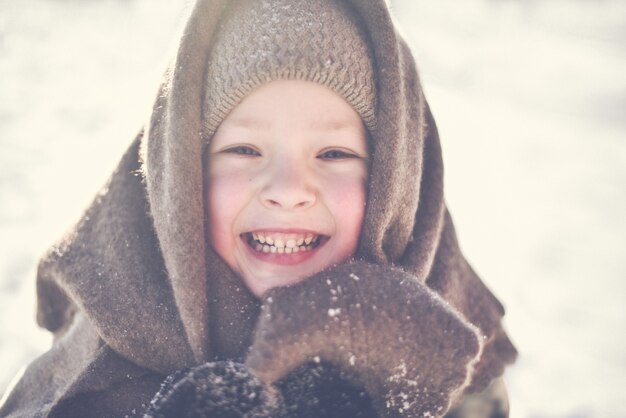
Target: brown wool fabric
309, 40
133, 292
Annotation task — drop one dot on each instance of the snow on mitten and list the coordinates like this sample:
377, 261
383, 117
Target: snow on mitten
220, 389
410, 350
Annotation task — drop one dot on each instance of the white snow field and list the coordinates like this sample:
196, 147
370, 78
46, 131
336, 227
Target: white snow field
530, 100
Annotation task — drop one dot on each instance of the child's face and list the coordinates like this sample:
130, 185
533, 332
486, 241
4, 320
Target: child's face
287, 171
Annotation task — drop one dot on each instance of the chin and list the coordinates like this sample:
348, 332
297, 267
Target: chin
260, 286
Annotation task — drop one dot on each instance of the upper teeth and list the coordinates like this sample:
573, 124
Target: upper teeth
284, 240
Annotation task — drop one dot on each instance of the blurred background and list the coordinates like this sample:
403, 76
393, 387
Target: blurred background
530, 100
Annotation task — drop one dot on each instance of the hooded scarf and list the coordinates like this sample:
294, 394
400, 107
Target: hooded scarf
134, 293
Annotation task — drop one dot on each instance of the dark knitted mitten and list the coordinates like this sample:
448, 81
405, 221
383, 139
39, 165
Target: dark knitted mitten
212, 390
228, 390
387, 332
317, 390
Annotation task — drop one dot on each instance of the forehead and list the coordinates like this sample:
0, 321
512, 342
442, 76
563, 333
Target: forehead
296, 105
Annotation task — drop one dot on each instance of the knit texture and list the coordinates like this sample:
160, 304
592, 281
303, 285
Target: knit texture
310, 40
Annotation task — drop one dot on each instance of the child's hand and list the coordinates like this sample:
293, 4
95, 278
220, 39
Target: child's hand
226, 389
410, 350
219, 389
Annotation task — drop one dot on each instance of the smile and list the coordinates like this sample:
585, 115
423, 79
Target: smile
282, 243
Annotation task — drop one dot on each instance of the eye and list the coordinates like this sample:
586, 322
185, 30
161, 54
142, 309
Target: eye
337, 154
242, 150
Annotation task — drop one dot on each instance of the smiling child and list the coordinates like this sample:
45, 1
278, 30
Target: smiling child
286, 184
276, 240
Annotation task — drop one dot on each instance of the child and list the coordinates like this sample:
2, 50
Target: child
277, 239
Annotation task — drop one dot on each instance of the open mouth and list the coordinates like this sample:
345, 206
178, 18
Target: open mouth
280, 243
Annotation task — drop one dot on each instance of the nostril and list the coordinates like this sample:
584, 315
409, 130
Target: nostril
288, 195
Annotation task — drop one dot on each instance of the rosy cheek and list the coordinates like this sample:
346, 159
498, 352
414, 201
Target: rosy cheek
346, 201
225, 200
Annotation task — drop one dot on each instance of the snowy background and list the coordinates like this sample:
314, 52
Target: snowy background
530, 99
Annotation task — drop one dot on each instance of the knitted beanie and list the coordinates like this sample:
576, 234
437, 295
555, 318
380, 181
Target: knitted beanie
261, 41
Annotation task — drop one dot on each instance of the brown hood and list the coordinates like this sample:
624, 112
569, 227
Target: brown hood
138, 266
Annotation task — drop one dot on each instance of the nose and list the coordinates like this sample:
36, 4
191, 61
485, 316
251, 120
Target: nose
289, 185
